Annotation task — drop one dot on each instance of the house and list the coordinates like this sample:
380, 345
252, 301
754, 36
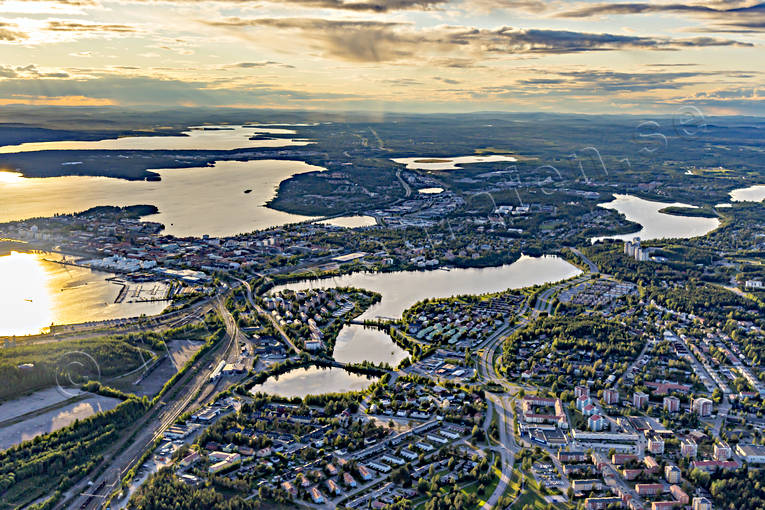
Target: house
753, 454
289, 488
611, 396
710, 465
649, 489
333, 488
688, 448
672, 474
639, 400
317, 496
701, 406
586, 485
189, 459
601, 503
722, 451
679, 494
671, 404
656, 445
702, 504
596, 423
349, 481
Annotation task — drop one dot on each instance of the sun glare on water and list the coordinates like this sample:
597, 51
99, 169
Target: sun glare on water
25, 296
8, 177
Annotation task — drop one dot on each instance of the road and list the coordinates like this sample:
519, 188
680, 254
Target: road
407, 188
504, 403
270, 317
193, 387
593, 267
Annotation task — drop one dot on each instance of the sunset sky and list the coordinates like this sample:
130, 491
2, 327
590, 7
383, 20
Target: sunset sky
387, 55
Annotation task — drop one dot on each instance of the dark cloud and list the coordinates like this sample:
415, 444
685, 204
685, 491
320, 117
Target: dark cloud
379, 6
732, 16
9, 33
144, 90
28, 72
371, 6
255, 65
379, 41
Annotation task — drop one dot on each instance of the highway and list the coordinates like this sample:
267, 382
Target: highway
504, 403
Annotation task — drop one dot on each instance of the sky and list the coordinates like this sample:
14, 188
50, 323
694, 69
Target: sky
581, 56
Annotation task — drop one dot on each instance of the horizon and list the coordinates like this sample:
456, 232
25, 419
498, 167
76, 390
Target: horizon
413, 56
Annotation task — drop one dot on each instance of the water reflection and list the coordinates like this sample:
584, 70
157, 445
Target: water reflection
351, 221
751, 194
313, 381
656, 225
192, 201
450, 163
37, 292
196, 138
402, 289
356, 344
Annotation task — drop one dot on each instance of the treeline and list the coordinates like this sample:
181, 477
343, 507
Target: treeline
164, 491
54, 462
742, 489
27, 368
708, 301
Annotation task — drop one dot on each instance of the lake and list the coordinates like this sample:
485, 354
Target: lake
656, 225
450, 163
192, 201
351, 221
402, 289
196, 138
313, 381
754, 193
37, 292
356, 343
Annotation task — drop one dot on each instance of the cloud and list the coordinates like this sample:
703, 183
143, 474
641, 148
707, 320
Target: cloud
74, 26
376, 6
29, 72
145, 90
380, 6
255, 65
9, 33
732, 16
385, 41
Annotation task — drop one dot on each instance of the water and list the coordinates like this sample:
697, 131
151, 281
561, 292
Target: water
450, 163
37, 293
313, 381
196, 138
352, 221
751, 194
192, 201
356, 343
55, 419
656, 225
401, 289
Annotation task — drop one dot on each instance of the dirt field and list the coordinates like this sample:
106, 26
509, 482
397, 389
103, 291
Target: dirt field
180, 352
